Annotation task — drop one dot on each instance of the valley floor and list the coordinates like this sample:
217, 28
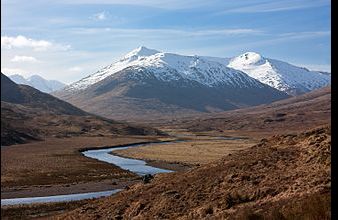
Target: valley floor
40, 167
56, 166
282, 177
198, 148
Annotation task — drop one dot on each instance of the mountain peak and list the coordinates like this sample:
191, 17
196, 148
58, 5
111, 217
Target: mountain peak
278, 74
250, 53
248, 58
141, 52
35, 77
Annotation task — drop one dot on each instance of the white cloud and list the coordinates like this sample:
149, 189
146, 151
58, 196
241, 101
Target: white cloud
24, 59
307, 34
100, 16
275, 6
225, 32
75, 69
24, 42
12, 71
167, 33
277, 39
317, 67
166, 4
244, 6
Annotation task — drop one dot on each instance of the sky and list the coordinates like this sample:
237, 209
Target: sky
67, 40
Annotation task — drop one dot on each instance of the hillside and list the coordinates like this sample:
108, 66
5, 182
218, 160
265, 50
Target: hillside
286, 176
30, 97
306, 111
28, 114
10, 91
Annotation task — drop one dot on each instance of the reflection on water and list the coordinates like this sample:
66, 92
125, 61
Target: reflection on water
136, 166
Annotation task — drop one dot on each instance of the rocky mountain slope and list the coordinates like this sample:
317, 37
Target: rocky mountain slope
38, 82
148, 83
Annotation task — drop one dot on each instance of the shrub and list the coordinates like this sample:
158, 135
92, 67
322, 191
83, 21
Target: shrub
146, 178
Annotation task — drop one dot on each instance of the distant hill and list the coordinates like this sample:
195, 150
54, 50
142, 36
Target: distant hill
10, 91
28, 114
306, 111
38, 82
28, 96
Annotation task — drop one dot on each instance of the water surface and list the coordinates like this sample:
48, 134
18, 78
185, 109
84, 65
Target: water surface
57, 198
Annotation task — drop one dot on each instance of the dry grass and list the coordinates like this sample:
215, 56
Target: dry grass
295, 114
316, 206
194, 152
277, 175
39, 211
59, 161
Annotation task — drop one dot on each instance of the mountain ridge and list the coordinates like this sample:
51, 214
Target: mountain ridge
148, 82
280, 75
38, 82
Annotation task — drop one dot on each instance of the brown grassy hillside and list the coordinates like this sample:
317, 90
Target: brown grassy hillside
293, 114
284, 177
28, 114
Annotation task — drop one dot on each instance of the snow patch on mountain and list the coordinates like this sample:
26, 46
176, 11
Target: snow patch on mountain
280, 75
139, 52
172, 67
246, 70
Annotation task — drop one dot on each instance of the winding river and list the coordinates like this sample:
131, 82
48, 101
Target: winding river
139, 167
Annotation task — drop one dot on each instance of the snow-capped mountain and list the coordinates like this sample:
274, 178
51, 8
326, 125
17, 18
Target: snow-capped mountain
150, 82
38, 82
280, 75
171, 67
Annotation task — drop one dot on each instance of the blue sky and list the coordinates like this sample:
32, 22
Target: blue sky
67, 41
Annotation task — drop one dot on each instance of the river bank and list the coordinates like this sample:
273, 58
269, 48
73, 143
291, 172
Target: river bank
109, 181
103, 155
